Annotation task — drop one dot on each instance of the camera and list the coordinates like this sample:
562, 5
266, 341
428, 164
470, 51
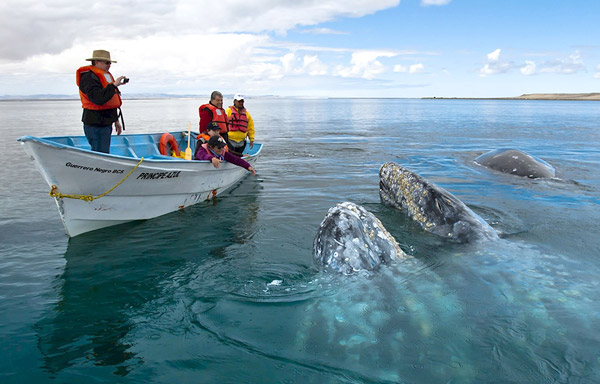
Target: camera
125, 80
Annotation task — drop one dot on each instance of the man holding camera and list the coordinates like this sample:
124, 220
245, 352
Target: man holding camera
100, 99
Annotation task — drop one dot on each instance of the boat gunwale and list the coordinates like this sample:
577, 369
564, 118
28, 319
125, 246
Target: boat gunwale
48, 141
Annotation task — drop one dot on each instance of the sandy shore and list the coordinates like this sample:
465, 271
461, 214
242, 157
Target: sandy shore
560, 96
534, 96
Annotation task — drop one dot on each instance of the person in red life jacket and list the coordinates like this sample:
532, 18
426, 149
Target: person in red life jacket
213, 111
211, 130
100, 99
241, 126
214, 151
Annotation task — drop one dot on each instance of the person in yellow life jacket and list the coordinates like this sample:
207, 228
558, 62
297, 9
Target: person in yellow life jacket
213, 111
100, 99
241, 126
211, 130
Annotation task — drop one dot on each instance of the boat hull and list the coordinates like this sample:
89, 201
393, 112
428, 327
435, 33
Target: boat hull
148, 187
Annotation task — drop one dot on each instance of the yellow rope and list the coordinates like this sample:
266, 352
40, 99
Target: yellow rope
54, 191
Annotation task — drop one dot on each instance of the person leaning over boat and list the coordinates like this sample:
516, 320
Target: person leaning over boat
241, 126
100, 99
214, 150
213, 111
211, 130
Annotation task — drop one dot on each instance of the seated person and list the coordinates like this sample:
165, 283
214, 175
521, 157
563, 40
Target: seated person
212, 129
214, 150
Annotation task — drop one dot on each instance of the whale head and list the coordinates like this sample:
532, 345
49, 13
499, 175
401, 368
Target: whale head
351, 239
435, 209
515, 162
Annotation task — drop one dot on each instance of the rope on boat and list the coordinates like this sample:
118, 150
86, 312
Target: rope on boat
54, 191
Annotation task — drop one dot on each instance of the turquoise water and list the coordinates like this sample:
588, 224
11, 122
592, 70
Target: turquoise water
226, 292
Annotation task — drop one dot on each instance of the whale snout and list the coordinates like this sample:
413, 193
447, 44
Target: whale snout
351, 239
436, 210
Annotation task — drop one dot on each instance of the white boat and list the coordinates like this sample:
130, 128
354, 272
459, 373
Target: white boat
94, 190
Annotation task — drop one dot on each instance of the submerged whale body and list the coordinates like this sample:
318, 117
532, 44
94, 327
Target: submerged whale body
435, 209
351, 239
515, 162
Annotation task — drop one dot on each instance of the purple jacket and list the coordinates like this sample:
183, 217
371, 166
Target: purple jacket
203, 154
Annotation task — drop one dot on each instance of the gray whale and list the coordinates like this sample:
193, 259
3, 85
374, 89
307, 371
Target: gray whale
351, 239
515, 162
435, 209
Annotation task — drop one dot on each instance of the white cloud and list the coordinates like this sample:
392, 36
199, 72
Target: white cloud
364, 64
569, 65
300, 65
164, 45
400, 68
494, 56
313, 66
35, 24
529, 68
434, 2
323, 31
597, 75
288, 62
416, 68
494, 65
412, 69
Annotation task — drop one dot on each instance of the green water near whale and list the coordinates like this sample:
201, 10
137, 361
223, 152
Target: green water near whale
226, 291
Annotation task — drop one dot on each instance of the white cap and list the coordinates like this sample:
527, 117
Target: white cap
238, 96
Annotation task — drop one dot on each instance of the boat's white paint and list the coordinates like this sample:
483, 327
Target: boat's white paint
158, 186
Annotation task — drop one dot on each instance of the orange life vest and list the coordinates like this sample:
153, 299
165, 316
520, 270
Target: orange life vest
105, 78
218, 114
238, 121
208, 150
203, 139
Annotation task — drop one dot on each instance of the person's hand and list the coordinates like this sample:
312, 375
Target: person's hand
216, 162
252, 170
119, 81
118, 127
251, 144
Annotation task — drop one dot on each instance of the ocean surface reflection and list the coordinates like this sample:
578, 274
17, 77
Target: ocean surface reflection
226, 291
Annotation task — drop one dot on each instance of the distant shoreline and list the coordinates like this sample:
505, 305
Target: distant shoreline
531, 96
140, 96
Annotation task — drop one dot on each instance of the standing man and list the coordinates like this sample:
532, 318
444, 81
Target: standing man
100, 99
241, 126
213, 111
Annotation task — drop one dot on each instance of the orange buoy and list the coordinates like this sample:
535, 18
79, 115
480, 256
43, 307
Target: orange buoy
167, 140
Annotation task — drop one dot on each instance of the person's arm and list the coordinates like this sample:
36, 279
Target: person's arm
91, 86
250, 128
203, 154
205, 118
238, 161
118, 127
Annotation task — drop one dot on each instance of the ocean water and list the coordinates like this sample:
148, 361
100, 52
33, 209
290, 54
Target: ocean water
226, 291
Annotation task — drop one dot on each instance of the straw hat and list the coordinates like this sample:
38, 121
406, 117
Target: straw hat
101, 54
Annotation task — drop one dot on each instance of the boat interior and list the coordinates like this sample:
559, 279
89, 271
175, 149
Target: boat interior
140, 145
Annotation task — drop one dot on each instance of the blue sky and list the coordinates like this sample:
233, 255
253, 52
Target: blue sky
307, 48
